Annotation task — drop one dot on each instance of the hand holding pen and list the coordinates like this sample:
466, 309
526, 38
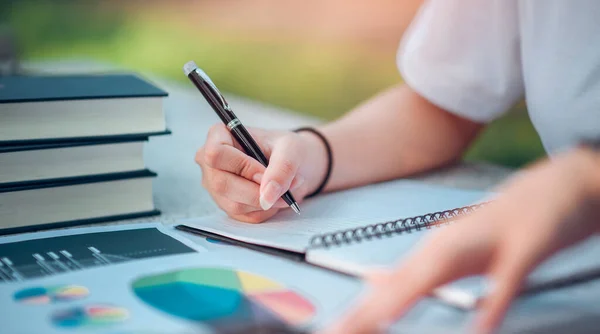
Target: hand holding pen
234, 163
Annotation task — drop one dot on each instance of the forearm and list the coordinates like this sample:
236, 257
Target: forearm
395, 134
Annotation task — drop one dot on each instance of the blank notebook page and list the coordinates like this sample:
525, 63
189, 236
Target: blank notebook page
341, 210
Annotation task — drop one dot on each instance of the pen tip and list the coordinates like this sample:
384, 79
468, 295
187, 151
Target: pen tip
295, 207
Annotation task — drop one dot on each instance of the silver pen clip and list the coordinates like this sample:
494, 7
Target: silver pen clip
212, 85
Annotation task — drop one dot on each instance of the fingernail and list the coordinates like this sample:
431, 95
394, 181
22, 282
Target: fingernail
270, 195
257, 177
298, 182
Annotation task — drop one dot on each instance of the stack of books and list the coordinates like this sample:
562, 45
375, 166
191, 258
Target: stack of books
71, 149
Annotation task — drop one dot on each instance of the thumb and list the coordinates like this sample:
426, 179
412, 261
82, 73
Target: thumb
282, 168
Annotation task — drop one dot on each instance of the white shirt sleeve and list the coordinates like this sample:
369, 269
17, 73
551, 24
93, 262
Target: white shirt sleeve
464, 56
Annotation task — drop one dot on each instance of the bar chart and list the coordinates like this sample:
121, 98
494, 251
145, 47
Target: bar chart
24, 260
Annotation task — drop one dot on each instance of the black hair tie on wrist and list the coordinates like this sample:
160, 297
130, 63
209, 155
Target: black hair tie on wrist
329, 158
591, 143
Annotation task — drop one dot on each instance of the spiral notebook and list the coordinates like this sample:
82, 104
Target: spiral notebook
357, 230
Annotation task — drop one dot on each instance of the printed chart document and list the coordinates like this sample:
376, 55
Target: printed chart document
146, 278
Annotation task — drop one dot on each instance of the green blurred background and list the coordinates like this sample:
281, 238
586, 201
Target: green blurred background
319, 57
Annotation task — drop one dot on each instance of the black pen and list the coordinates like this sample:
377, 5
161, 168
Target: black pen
237, 129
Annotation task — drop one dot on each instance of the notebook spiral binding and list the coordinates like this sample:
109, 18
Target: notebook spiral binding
389, 228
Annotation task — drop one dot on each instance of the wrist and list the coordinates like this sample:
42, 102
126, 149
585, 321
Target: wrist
584, 169
317, 161
590, 162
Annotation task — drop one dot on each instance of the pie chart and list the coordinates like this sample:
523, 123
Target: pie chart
90, 316
50, 294
222, 298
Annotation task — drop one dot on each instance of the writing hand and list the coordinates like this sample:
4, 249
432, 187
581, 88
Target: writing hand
245, 189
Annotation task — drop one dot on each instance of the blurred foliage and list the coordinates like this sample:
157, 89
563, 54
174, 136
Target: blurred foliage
320, 79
